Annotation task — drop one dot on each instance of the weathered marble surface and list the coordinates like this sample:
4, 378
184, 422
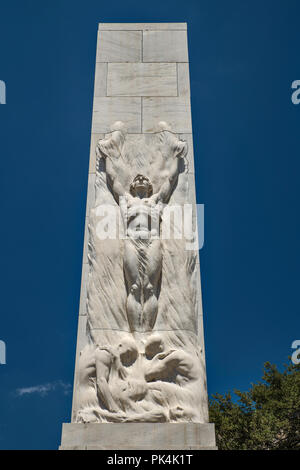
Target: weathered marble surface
100, 88
110, 109
119, 46
165, 46
142, 79
183, 79
142, 26
138, 436
175, 111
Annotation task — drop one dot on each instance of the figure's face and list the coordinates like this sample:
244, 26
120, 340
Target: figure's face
154, 346
128, 353
140, 186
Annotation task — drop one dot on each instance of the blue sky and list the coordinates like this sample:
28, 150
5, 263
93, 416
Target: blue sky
244, 55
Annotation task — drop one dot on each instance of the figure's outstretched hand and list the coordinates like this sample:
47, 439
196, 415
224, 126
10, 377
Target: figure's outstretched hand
181, 149
164, 354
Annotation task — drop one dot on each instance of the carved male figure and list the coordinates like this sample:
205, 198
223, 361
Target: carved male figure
112, 386
175, 373
142, 211
95, 401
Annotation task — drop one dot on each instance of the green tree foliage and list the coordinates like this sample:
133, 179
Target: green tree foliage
264, 418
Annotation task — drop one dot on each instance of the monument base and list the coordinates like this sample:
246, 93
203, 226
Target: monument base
138, 436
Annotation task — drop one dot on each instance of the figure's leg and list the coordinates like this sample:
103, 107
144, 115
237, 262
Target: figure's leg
88, 415
153, 416
131, 271
151, 284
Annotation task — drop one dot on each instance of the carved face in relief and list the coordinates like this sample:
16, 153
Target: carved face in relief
127, 351
141, 186
153, 346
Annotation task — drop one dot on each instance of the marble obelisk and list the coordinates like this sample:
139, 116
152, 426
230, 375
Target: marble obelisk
140, 379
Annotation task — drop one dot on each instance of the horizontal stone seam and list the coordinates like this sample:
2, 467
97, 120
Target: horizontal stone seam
149, 62
142, 30
139, 96
144, 62
146, 133
164, 62
185, 172
137, 331
149, 133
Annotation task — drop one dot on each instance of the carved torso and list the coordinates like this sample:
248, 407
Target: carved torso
141, 216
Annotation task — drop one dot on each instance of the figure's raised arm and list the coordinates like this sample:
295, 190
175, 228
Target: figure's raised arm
179, 151
112, 178
110, 149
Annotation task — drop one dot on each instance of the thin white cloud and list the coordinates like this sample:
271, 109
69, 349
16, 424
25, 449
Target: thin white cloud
44, 389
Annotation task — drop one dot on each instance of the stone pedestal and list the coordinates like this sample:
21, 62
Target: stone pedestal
138, 436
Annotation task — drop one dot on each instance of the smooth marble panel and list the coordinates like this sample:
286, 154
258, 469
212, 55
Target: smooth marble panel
175, 111
119, 46
111, 109
158, 79
100, 79
183, 79
165, 46
139, 435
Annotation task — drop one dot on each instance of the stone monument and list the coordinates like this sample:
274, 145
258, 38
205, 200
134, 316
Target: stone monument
140, 380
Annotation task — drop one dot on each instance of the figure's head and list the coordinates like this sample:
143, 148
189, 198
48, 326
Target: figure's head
141, 186
128, 351
154, 345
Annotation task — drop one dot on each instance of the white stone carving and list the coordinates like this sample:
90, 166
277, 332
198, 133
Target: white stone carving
123, 384
142, 362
